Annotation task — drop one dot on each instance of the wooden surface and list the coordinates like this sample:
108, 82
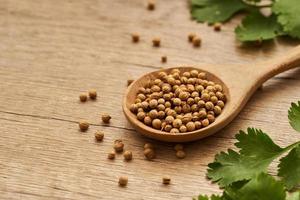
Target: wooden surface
51, 51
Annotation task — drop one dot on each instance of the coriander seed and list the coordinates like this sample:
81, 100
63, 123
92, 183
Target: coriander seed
111, 155
99, 136
153, 103
164, 59
217, 110
168, 128
93, 94
174, 130
153, 114
151, 5
191, 36
127, 155
166, 180
177, 123
211, 118
183, 129
134, 108
141, 116
156, 123
180, 154
83, 97
196, 41
118, 146
149, 154
217, 26
148, 120
106, 118
205, 122
209, 105
135, 37
156, 42
83, 125
123, 181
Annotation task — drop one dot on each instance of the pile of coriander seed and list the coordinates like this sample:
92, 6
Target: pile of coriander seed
179, 102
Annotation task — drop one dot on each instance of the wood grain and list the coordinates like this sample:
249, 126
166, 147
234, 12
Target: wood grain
51, 51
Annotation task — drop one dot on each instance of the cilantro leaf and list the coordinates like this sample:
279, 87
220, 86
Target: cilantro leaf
256, 144
212, 11
289, 168
257, 151
294, 196
262, 187
294, 116
288, 16
256, 27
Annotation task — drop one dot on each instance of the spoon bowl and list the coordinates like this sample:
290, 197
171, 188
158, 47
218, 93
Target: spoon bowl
238, 82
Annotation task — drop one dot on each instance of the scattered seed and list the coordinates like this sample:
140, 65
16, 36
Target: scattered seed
123, 180
196, 41
111, 155
119, 146
135, 37
191, 36
127, 155
156, 42
93, 94
164, 59
83, 125
99, 136
180, 154
106, 118
217, 26
149, 153
151, 5
83, 97
166, 180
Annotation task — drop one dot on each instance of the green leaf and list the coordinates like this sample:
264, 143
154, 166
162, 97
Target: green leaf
288, 16
294, 196
262, 187
257, 27
294, 116
212, 11
256, 144
257, 151
289, 168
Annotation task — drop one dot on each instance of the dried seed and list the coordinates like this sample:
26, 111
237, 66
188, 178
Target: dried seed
93, 94
127, 155
106, 118
166, 180
135, 37
99, 135
149, 154
156, 42
217, 26
164, 59
151, 5
123, 180
83, 125
83, 97
111, 155
180, 154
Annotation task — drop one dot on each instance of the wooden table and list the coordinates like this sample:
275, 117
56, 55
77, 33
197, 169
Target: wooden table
53, 50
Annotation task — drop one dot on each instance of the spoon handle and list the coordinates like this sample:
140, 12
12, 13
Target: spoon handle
283, 63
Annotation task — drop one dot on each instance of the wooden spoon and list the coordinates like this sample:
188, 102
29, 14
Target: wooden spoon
239, 83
